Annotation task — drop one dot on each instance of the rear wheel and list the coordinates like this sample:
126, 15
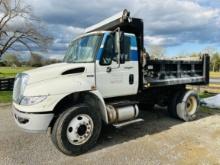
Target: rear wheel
172, 103
184, 105
191, 105
76, 130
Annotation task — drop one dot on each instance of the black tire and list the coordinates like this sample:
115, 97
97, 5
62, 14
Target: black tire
59, 130
173, 101
178, 107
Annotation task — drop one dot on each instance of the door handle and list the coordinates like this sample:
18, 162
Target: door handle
131, 79
128, 67
108, 69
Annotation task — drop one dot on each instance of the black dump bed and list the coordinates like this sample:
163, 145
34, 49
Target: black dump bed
172, 72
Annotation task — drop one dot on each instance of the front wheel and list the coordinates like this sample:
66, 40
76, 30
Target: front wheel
76, 130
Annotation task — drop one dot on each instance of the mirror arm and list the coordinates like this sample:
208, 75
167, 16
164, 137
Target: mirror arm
117, 47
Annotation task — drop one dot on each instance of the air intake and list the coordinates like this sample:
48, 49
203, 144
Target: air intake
73, 71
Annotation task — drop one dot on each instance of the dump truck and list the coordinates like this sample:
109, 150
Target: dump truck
104, 79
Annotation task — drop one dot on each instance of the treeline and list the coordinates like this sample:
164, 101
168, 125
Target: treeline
35, 60
214, 60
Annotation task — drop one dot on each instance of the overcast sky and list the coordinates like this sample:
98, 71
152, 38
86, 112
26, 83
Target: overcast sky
182, 26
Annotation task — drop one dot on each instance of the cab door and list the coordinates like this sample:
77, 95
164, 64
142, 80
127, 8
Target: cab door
112, 79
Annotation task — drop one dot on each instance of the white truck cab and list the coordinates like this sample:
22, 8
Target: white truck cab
102, 80
37, 91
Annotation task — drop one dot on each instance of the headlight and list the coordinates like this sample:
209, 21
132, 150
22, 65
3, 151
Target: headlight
30, 100
24, 82
21, 81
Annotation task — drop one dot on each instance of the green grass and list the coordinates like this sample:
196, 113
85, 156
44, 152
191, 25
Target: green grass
6, 72
206, 94
214, 74
5, 96
206, 110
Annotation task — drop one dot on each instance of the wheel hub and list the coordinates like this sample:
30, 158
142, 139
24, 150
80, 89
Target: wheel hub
80, 129
191, 105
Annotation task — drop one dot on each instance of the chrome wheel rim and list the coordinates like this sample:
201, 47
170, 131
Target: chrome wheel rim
191, 105
80, 129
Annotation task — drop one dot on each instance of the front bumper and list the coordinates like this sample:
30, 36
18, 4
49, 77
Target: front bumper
32, 122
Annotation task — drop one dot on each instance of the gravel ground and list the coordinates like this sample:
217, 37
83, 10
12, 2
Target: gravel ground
158, 140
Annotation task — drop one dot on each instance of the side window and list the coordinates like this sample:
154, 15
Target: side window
109, 52
125, 48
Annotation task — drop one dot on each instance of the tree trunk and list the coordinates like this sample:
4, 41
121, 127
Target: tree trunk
213, 68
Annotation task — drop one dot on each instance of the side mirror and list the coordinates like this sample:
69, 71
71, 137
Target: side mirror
122, 42
117, 44
122, 48
122, 59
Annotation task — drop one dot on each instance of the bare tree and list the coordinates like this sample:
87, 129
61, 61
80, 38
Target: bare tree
11, 60
19, 27
209, 50
214, 58
36, 60
156, 51
215, 62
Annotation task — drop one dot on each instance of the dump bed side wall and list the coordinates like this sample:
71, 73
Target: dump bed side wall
176, 72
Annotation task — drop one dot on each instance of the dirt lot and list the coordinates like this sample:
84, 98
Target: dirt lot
158, 140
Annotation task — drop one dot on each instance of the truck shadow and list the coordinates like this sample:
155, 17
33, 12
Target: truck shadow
155, 121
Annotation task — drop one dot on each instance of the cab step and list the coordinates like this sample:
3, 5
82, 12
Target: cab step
119, 125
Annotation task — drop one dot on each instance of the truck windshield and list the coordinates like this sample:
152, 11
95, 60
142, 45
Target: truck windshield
83, 49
